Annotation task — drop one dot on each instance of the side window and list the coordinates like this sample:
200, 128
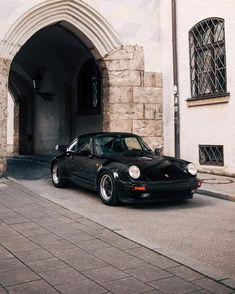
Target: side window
132, 143
84, 143
103, 144
207, 58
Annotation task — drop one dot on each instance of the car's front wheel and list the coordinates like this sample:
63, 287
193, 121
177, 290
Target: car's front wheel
57, 176
107, 189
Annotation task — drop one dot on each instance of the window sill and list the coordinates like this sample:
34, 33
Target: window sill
201, 101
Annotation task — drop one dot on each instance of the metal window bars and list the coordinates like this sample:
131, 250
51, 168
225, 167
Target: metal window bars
211, 155
207, 58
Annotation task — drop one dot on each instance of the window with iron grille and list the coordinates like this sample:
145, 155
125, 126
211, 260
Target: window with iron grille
211, 155
89, 89
207, 58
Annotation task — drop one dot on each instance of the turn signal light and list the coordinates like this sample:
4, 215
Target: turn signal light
139, 188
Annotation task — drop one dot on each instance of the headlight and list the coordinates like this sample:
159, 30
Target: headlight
134, 171
191, 168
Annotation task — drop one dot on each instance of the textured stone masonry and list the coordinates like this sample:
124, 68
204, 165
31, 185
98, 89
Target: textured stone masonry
4, 70
132, 97
16, 129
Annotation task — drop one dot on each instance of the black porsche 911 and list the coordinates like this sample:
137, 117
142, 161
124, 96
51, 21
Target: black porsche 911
122, 168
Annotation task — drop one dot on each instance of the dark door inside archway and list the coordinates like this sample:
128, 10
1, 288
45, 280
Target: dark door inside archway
24, 145
54, 112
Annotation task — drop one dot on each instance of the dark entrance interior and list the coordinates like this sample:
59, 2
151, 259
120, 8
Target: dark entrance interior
56, 84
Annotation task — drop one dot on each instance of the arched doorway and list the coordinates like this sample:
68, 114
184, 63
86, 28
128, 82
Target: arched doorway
80, 18
59, 81
131, 98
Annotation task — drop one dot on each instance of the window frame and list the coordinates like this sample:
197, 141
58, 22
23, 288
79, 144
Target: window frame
71, 145
215, 154
88, 110
209, 46
117, 137
89, 144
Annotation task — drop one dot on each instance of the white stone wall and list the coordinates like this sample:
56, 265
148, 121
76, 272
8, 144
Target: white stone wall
212, 124
136, 22
11, 10
167, 74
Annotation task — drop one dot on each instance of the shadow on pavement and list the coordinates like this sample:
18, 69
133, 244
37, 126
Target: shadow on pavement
34, 168
27, 169
196, 202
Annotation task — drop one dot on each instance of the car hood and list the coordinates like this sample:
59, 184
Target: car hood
155, 167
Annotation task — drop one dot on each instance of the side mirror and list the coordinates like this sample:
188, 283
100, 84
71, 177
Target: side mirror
159, 151
61, 147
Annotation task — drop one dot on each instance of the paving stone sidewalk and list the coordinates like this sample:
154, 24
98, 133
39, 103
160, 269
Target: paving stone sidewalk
45, 248
222, 187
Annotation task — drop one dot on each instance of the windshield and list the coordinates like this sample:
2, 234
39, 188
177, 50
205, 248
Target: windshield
116, 144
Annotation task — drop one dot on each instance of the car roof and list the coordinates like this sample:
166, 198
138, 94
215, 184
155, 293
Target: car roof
108, 133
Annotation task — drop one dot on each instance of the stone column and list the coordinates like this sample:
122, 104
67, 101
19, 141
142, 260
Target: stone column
16, 134
132, 98
151, 95
4, 71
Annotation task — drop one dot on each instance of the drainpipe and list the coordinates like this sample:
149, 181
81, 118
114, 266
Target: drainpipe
175, 79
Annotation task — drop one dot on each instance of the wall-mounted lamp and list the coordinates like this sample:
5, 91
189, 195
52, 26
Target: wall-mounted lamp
37, 84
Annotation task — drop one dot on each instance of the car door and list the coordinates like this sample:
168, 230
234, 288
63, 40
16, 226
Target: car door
82, 163
70, 152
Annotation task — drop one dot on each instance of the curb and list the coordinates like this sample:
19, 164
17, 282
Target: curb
216, 195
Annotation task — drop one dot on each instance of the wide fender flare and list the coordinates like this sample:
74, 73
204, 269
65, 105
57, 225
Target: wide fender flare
64, 168
116, 169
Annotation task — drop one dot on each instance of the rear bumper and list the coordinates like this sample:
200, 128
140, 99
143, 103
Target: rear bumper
157, 191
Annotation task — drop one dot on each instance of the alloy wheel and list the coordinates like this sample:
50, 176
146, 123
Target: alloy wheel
55, 174
106, 187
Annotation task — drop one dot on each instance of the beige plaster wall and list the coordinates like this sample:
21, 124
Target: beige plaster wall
212, 124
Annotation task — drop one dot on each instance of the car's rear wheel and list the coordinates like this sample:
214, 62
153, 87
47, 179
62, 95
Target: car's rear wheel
107, 189
57, 176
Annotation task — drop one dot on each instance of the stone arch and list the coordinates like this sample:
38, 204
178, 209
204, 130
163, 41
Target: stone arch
132, 98
94, 29
83, 21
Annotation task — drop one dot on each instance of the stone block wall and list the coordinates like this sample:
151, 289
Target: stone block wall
4, 70
16, 135
132, 98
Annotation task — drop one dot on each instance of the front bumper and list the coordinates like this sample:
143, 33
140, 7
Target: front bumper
157, 191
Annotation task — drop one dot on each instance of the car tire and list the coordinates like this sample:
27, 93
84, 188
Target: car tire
107, 189
58, 179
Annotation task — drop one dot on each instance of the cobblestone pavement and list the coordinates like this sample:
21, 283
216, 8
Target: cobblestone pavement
45, 248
